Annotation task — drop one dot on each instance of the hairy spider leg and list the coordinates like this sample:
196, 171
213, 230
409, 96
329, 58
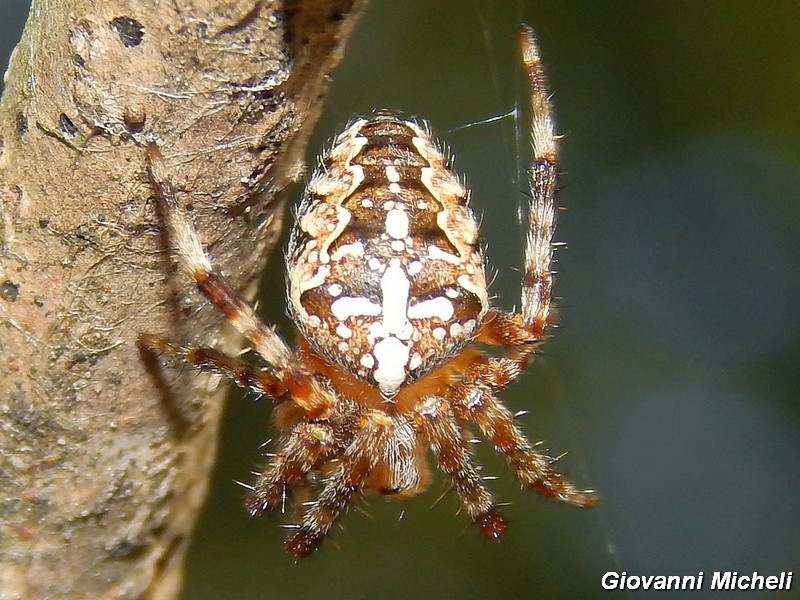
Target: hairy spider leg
213, 361
301, 451
304, 390
354, 467
435, 418
309, 443
534, 469
537, 280
521, 333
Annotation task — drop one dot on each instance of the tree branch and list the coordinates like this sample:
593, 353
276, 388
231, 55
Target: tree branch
104, 458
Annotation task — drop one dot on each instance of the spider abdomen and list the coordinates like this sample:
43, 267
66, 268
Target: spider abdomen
385, 274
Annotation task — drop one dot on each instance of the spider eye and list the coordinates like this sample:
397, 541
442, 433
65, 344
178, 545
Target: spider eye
386, 278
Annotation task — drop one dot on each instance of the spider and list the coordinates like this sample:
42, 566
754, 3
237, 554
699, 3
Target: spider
386, 284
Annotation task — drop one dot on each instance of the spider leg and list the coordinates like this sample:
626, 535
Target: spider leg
354, 467
537, 280
306, 446
477, 404
522, 332
435, 418
210, 283
214, 361
306, 391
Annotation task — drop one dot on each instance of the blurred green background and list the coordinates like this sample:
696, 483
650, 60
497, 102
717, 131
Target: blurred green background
672, 379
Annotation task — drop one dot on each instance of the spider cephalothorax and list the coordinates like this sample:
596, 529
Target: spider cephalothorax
386, 285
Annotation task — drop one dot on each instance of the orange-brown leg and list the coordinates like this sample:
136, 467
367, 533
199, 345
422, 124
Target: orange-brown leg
299, 453
209, 282
521, 332
435, 419
208, 359
476, 403
510, 331
304, 389
355, 465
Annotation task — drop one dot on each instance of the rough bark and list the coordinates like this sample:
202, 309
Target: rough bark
103, 455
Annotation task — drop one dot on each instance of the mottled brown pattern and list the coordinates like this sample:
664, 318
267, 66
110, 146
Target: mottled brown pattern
368, 151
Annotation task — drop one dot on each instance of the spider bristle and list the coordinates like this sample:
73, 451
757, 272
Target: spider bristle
246, 486
440, 497
363, 510
333, 542
467, 528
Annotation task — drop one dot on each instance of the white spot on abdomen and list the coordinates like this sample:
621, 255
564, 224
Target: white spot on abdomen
392, 357
319, 277
397, 223
346, 307
394, 289
439, 307
436, 253
355, 249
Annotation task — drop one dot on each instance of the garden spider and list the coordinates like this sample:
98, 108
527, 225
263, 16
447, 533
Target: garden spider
386, 285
